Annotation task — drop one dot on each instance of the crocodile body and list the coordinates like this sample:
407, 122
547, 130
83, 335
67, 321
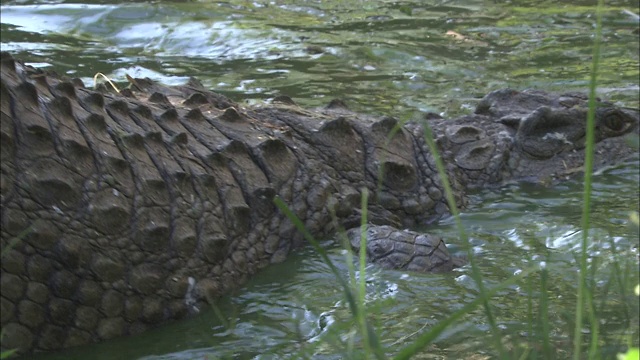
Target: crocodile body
132, 209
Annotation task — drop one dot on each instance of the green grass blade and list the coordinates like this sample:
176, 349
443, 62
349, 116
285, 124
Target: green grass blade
426, 338
530, 315
475, 271
323, 254
544, 314
593, 320
588, 171
356, 304
7, 354
367, 332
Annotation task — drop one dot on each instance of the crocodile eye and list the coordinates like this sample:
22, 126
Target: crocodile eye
614, 122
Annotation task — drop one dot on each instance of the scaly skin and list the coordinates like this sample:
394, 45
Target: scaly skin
134, 209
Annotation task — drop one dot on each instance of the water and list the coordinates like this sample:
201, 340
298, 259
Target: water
381, 57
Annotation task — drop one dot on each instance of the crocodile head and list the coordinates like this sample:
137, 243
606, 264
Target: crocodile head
536, 136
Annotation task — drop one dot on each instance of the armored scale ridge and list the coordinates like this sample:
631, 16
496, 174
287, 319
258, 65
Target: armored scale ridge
123, 211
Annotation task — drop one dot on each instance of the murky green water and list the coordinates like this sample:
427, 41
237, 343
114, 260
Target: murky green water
382, 57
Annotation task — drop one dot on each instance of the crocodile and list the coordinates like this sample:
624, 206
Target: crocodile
123, 211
